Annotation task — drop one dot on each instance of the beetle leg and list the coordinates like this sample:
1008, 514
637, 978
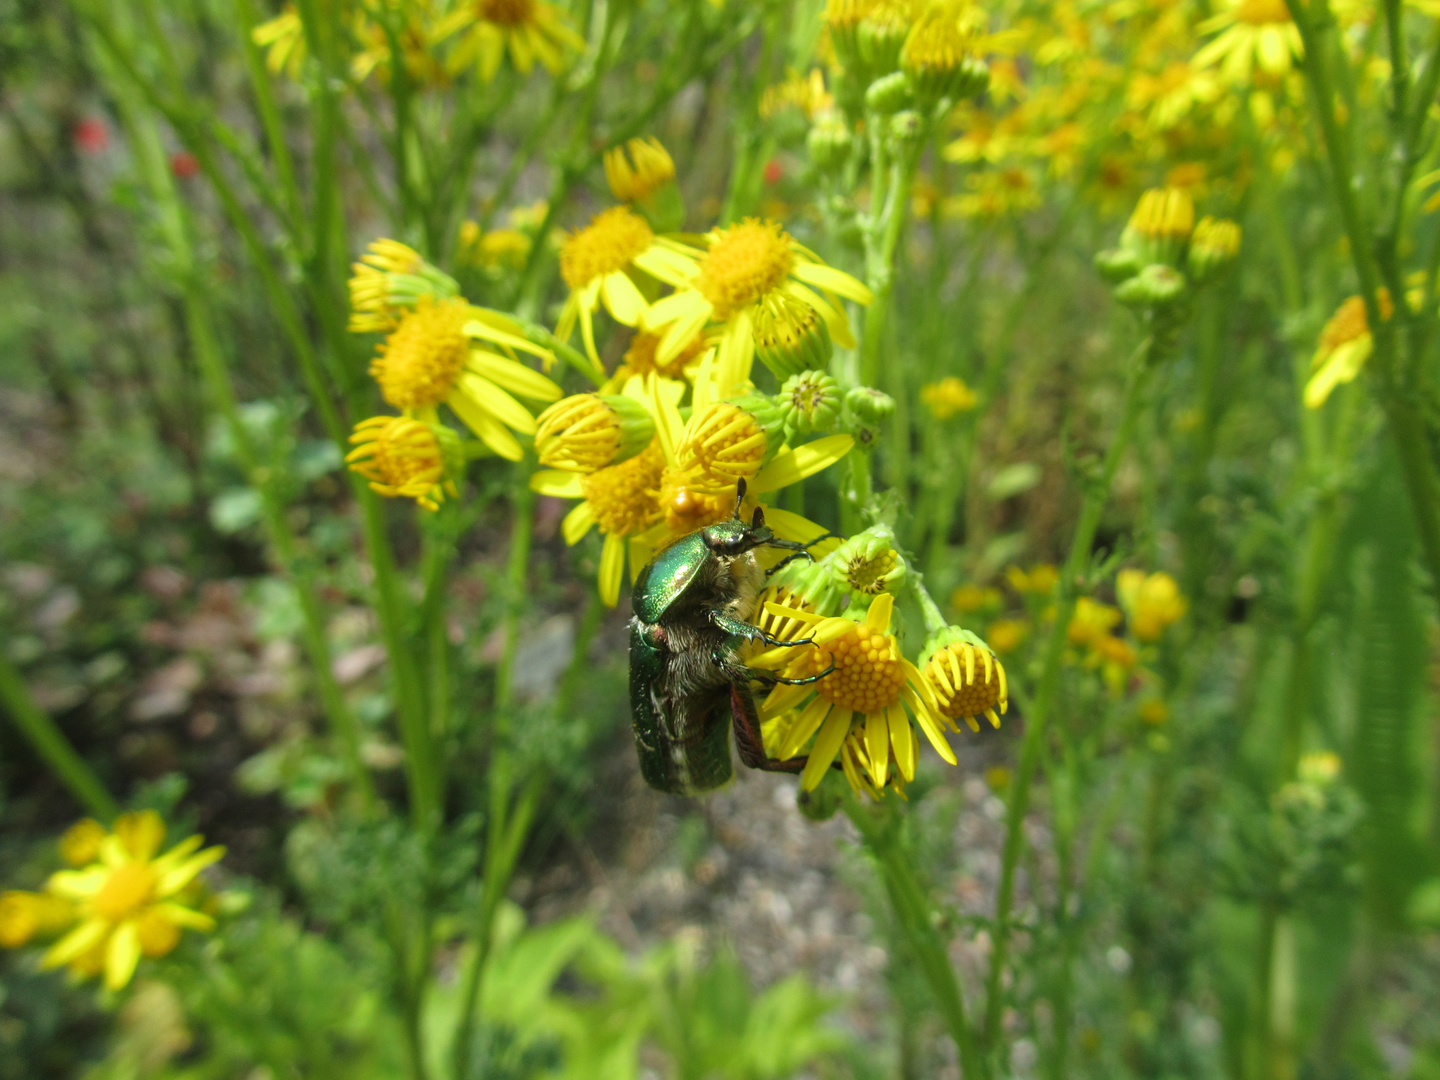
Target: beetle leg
741, 629
800, 550
776, 680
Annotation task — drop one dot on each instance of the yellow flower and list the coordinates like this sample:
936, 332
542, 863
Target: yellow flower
389, 279
1151, 602
595, 263
25, 916
638, 169
529, 30
972, 597
950, 664
496, 249
948, 397
1040, 581
804, 92
283, 39
1252, 31
1092, 621
1162, 222
1345, 345
80, 843
995, 193
1154, 712
858, 711
1007, 635
639, 359
402, 457
743, 266
586, 432
1319, 767
433, 356
129, 902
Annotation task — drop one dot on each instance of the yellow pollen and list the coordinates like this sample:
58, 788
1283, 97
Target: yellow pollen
581, 433
640, 357
868, 575
625, 497
1262, 12
607, 244
1164, 212
868, 673
967, 681
400, 457
686, 506
746, 262
418, 364
128, 889
727, 444
507, 12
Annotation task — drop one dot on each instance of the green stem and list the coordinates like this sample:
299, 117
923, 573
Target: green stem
879, 828
1038, 716
52, 746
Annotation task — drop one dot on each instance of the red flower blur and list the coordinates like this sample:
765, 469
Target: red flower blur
773, 171
183, 164
91, 135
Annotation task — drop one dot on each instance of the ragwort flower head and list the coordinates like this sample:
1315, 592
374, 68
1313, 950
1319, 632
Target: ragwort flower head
1345, 345
948, 397
861, 710
596, 262
134, 901
743, 266
404, 457
810, 403
966, 677
586, 432
528, 30
938, 58
389, 279
868, 563
1152, 602
1251, 31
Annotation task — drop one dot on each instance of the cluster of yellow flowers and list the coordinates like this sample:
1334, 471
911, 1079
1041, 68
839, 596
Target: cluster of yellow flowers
476, 34
122, 900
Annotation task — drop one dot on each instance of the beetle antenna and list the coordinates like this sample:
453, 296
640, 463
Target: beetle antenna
739, 495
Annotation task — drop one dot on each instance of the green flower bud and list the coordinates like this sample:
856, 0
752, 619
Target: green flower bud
869, 563
906, 126
868, 405
1117, 264
1157, 286
829, 142
822, 803
888, 94
937, 61
881, 35
810, 403
791, 337
1160, 226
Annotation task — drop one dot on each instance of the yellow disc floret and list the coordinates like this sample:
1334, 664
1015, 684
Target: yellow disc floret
640, 356
868, 671
418, 364
606, 245
507, 12
869, 574
626, 497
1262, 12
745, 262
724, 444
968, 681
128, 889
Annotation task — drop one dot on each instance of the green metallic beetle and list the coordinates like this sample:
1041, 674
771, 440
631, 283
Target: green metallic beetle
692, 607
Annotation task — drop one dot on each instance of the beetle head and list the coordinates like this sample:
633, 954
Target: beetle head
736, 536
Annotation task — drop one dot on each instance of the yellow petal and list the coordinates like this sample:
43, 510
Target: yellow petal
502, 330
832, 280
877, 746
77, 884
827, 745
669, 426
563, 485
183, 916
577, 523
791, 526
612, 568
667, 266
487, 429
76, 943
172, 881
678, 307
489, 397
783, 698
791, 466
622, 298
927, 723
513, 376
806, 724
902, 739
122, 953
737, 353
878, 617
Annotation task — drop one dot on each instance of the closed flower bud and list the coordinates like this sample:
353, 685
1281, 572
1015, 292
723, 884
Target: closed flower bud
829, 142
802, 585
389, 278
1156, 286
881, 35
643, 173
1117, 264
1214, 245
888, 94
586, 432
966, 677
790, 336
868, 563
727, 442
868, 405
906, 126
936, 57
842, 19
810, 403
402, 456
1160, 226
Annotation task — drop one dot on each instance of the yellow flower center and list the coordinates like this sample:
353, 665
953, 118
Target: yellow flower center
625, 497
128, 889
688, 504
868, 671
418, 364
745, 262
580, 433
867, 574
936, 42
607, 244
640, 357
1262, 12
727, 443
399, 455
959, 694
507, 12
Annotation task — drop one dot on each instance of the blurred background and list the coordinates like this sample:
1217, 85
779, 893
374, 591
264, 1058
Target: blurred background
1185, 492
